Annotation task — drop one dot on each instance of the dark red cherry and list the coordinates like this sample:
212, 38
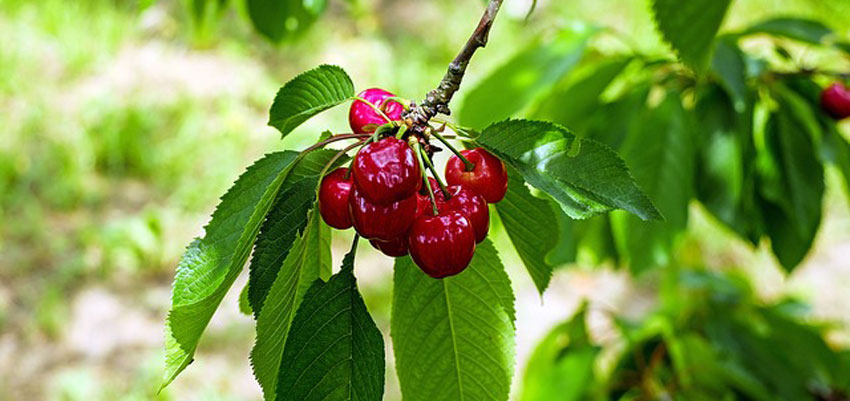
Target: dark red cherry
382, 222
473, 205
386, 171
333, 199
442, 245
364, 119
835, 101
489, 178
394, 248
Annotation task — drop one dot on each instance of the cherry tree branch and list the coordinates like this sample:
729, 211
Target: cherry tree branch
437, 100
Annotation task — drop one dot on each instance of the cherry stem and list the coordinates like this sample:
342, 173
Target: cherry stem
401, 130
469, 165
435, 174
353, 250
437, 100
418, 150
403, 102
461, 131
333, 139
378, 109
335, 158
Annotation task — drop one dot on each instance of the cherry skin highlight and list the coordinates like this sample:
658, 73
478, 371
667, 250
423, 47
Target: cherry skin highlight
381, 222
489, 178
363, 118
835, 101
473, 205
431, 183
333, 199
442, 245
386, 171
394, 248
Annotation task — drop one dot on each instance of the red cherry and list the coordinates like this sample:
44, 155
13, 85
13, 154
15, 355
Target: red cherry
442, 245
333, 199
364, 119
473, 205
386, 171
835, 101
489, 178
382, 222
394, 248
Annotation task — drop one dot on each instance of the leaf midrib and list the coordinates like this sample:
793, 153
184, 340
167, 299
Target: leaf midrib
454, 339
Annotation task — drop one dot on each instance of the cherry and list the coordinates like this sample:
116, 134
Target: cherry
364, 119
442, 245
424, 207
381, 222
835, 101
394, 248
489, 178
386, 171
333, 199
473, 205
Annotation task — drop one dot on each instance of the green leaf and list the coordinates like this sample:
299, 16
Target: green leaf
801, 29
532, 242
839, 150
561, 366
514, 85
244, 304
280, 20
307, 259
690, 26
287, 218
584, 176
661, 155
334, 350
308, 94
571, 105
211, 264
454, 338
730, 67
792, 190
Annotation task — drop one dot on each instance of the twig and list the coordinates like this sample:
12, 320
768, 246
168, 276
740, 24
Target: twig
437, 100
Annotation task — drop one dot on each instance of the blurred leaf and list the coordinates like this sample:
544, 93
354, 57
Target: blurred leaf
211, 264
725, 170
286, 219
532, 243
690, 26
454, 338
730, 67
661, 155
801, 29
561, 366
279, 20
839, 151
612, 121
303, 265
308, 94
514, 85
584, 176
793, 192
334, 351
571, 105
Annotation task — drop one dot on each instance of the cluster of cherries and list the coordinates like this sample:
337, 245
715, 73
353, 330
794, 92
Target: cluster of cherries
383, 197
835, 100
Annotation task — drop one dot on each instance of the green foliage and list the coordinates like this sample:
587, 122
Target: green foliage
562, 365
709, 339
212, 263
792, 28
532, 71
660, 152
280, 20
532, 244
309, 94
584, 176
454, 338
689, 27
287, 218
334, 350
308, 259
